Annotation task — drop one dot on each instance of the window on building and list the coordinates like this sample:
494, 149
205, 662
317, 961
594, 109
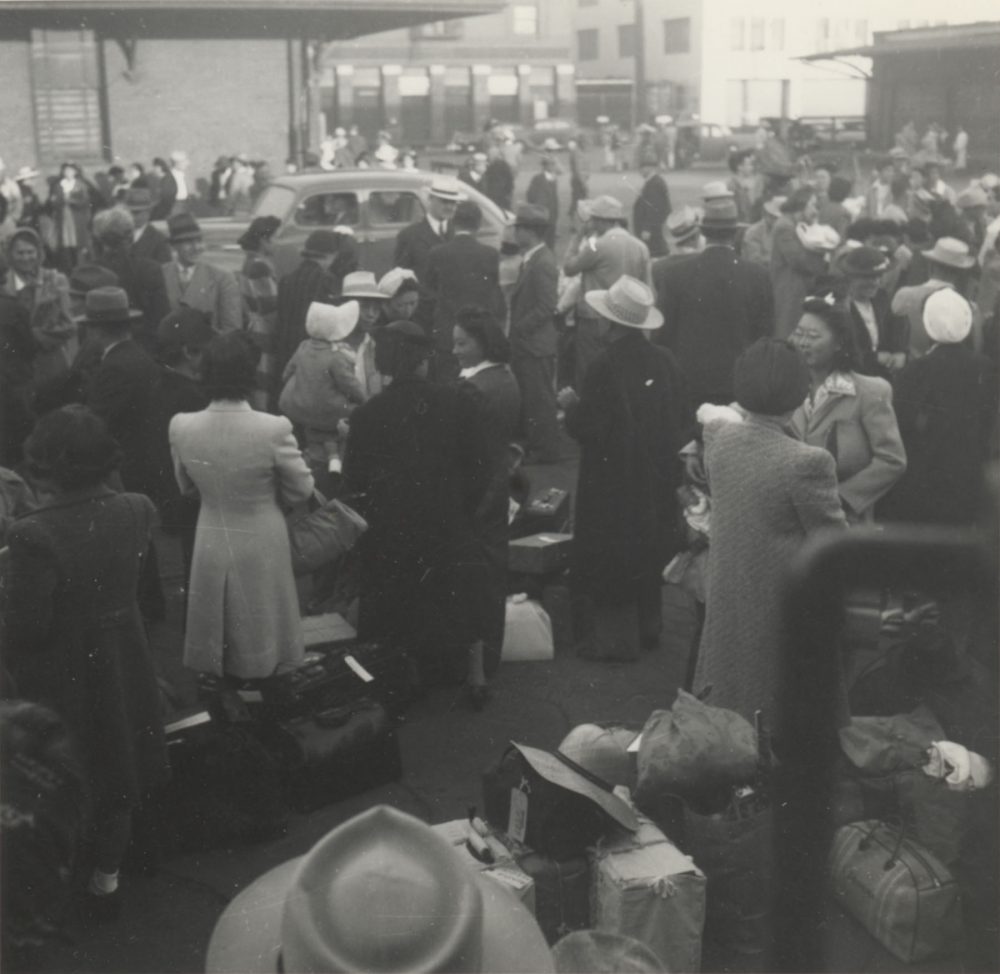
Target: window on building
328, 210
737, 34
65, 85
438, 30
757, 25
525, 19
677, 35
778, 34
626, 40
586, 45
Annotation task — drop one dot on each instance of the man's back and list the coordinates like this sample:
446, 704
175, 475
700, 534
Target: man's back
714, 305
462, 272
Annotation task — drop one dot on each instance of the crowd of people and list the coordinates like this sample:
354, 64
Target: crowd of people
784, 358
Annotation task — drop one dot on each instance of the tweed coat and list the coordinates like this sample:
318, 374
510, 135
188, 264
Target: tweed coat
714, 305
243, 611
211, 289
47, 301
74, 639
861, 432
615, 252
794, 270
769, 492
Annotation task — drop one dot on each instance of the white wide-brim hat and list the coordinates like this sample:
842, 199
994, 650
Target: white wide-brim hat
951, 252
446, 188
627, 302
947, 317
332, 323
361, 284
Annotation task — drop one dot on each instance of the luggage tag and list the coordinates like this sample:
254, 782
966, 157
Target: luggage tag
358, 670
517, 822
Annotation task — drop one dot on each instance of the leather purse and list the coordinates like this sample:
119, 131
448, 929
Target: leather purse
902, 894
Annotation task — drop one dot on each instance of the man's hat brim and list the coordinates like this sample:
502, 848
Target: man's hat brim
559, 773
247, 937
122, 318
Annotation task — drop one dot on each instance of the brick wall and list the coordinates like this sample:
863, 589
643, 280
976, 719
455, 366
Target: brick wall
17, 127
207, 97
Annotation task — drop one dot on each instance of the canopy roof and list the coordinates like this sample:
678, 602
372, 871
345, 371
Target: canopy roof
918, 40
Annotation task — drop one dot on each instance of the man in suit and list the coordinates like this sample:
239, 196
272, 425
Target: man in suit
113, 232
461, 272
600, 254
714, 306
880, 335
196, 284
147, 242
310, 281
123, 390
415, 242
652, 206
543, 191
533, 334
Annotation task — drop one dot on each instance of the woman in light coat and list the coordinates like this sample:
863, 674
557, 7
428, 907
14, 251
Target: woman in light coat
847, 413
243, 616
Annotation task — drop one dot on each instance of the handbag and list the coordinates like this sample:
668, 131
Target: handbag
323, 534
902, 894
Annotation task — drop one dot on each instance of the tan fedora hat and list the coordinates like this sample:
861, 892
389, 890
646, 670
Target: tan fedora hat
362, 284
627, 302
951, 252
381, 892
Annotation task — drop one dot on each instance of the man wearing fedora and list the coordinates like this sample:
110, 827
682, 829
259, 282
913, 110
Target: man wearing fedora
533, 340
543, 190
147, 242
600, 256
714, 305
652, 205
310, 281
630, 419
684, 230
950, 262
415, 242
197, 284
879, 334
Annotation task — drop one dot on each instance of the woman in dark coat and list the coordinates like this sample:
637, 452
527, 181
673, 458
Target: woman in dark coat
946, 405
74, 637
629, 420
483, 351
166, 189
417, 468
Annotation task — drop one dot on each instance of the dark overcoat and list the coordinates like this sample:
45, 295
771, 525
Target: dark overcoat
417, 466
153, 245
143, 281
630, 423
651, 209
946, 406
74, 639
893, 334
414, 245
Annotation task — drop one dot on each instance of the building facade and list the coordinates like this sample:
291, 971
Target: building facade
442, 78
731, 63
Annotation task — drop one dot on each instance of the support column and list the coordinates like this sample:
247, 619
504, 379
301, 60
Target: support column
437, 96
391, 99
525, 109
344, 94
480, 95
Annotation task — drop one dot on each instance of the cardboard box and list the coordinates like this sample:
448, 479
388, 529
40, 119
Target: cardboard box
504, 870
540, 554
645, 887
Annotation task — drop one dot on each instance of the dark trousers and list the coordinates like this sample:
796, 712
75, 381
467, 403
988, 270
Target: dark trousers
588, 346
536, 377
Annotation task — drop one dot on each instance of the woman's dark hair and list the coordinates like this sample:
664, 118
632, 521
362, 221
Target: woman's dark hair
401, 347
261, 228
229, 366
737, 157
861, 230
405, 286
836, 317
71, 447
770, 378
70, 165
160, 163
840, 189
480, 325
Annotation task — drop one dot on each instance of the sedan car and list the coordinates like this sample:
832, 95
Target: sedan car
709, 142
373, 204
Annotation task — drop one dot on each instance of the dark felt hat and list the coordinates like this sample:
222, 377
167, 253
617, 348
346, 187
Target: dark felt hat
321, 243
532, 217
183, 226
185, 326
770, 378
864, 262
139, 198
86, 277
108, 306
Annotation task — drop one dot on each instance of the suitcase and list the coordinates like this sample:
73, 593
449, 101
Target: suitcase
334, 675
645, 887
562, 892
334, 753
902, 894
539, 554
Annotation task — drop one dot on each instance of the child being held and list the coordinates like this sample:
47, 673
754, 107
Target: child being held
320, 386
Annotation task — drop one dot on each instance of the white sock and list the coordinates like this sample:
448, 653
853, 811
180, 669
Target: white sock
103, 884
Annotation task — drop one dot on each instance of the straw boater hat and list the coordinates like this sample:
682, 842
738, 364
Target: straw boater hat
446, 188
381, 892
720, 213
951, 253
947, 317
362, 284
108, 306
26, 173
683, 224
627, 302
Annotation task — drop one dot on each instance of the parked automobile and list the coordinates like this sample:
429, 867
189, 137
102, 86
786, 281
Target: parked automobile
699, 141
374, 203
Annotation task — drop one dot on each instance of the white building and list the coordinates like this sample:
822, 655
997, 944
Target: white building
733, 62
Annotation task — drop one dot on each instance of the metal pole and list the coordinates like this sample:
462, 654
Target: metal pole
639, 96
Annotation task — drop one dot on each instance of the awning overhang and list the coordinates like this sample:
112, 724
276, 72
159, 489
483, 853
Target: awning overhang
325, 20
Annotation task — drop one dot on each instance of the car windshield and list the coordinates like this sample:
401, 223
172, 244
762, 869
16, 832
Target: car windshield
274, 201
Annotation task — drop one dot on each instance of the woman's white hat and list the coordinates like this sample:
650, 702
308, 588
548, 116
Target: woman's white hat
393, 279
817, 237
627, 302
330, 322
947, 317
